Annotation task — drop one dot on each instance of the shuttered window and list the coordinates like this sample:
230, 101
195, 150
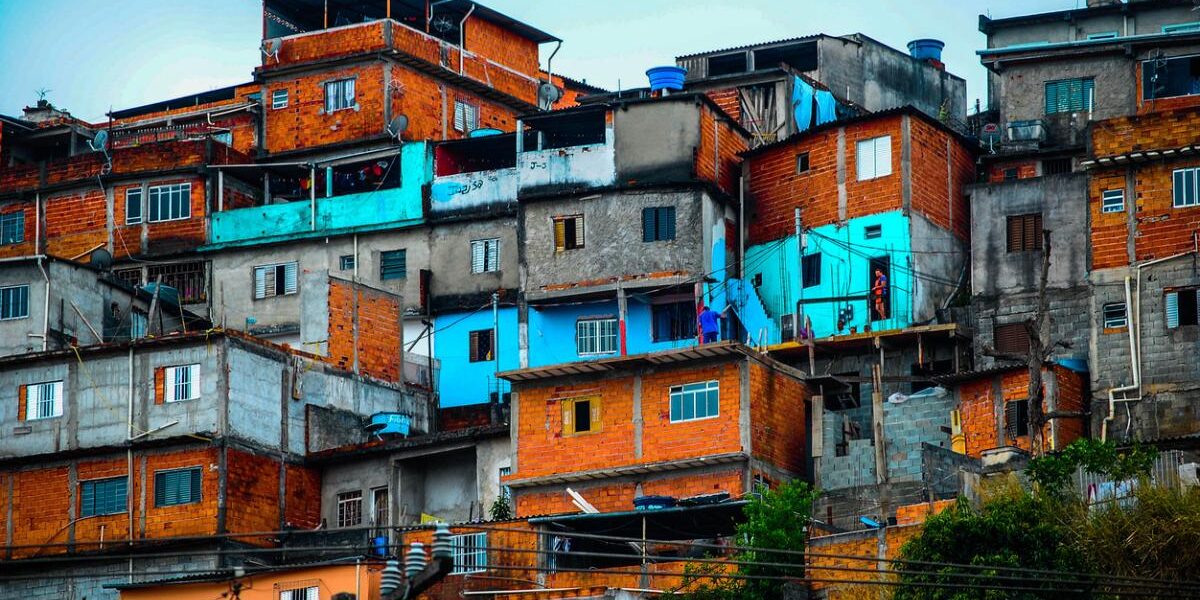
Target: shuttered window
1016, 418
595, 336
274, 280
393, 265
658, 223
568, 232
581, 415
485, 256
12, 227
304, 593
810, 270
873, 157
1012, 338
1185, 187
481, 345
1069, 95
1024, 232
14, 302
180, 486
181, 383
1181, 308
44, 400
103, 497
466, 116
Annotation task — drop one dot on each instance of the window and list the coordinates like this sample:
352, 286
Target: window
810, 270
189, 278
470, 553
170, 202
1069, 95
466, 116
138, 324
279, 99
1024, 233
596, 336
393, 264
658, 223
1011, 174
568, 232
103, 497
581, 415
44, 400
1016, 418
346, 262
1012, 338
673, 321
175, 487
505, 490
1114, 315
274, 280
873, 157
1103, 35
802, 162
133, 206
14, 302
181, 383
485, 256
1181, 27
1181, 308
379, 504
349, 509
1056, 166
873, 232
1185, 189
1171, 77
481, 345
1112, 201
695, 401
339, 95
12, 227
304, 593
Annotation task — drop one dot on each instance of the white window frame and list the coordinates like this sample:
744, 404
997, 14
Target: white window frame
311, 592
593, 336
289, 280
339, 95
1188, 177
140, 203
346, 262
485, 256
697, 396
181, 382
1112, 201
167, 193
466, 116
17, 218
345, 500
873, 158
470, 553
1113, 320
43, 400
279, 99
24, 294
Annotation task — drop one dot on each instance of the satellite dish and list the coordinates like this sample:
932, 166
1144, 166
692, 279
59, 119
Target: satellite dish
101, 259
270, 47
100, 142
398, 126
990, 135
548, 94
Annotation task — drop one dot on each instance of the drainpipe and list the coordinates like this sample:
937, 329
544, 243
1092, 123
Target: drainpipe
496, 339
550, 63
129, 457
312, 196
462, 43
37, 227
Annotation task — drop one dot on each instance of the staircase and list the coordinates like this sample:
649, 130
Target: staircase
761, 329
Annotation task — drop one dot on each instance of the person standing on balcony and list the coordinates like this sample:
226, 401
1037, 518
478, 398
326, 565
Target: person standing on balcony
710, 325
880, 291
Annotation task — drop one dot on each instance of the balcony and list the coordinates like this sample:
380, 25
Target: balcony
391, 200
475, 175
570, 151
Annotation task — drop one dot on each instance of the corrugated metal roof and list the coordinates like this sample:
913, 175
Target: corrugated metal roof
754, 46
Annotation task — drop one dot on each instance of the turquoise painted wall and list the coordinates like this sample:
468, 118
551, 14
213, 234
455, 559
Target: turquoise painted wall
461, 381
552, 331
846, 254
367, 211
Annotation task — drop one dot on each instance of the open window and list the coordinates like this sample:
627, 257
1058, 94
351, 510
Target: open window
578, 128
800, 56
1171, 77
472, 155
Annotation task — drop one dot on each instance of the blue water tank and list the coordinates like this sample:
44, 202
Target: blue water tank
165, 293
384, 423
484, 132
926, 48
666, 78
654, 502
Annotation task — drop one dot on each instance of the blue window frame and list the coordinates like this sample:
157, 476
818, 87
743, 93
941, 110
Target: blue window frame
12, 227
1069, 95
103, 497
658, 223
693, 401
14, 302
180, 486
393, 265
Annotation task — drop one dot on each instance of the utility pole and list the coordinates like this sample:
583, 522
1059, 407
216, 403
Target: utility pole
801, 245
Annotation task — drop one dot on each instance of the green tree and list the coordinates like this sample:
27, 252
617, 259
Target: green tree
775, 520
1052, 472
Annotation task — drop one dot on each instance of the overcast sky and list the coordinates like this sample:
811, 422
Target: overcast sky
94, 55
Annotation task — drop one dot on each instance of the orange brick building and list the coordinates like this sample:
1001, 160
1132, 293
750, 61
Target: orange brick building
993, 408
713, 419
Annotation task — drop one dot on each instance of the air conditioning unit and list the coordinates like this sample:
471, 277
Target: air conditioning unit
787, 327
1032, 130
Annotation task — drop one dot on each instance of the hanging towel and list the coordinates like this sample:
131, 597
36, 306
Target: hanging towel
802, 99
826, 107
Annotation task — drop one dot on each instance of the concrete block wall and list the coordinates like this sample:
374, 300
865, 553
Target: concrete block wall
1070, 320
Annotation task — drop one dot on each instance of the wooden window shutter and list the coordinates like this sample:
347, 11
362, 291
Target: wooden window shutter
649, 231
560, 234
1172, 309
1010, 419
1012, 338
1014, 234
159, 385
22, 402
568, 409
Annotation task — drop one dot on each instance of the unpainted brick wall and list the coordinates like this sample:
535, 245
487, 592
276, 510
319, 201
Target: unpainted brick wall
1025, 170
858, 543
364, 322
618, 496
717, 156
28, 246
941, 166
979, 410
778, 414
304, 123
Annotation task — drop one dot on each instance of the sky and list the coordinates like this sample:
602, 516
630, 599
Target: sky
98, 55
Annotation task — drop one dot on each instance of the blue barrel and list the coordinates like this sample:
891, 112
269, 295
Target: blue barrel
654, 502
926, 48
389, 423
380, 545
484, 132
666, 78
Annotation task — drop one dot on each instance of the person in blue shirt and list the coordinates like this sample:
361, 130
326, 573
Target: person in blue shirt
710, 325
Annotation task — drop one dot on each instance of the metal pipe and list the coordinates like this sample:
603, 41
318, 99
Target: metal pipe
45, 307
550, 63
312, 197
496, 338
129, 455
462, 41
1133, 365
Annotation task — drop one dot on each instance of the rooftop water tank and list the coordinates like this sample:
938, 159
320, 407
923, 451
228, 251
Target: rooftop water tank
484, 132
666, 78
926, 48
384, 423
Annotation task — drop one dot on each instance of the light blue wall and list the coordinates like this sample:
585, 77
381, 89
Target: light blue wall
845, 260
367, 211
460, 380
552, 331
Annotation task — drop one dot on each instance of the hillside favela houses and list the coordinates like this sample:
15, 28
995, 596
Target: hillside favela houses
407, 288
